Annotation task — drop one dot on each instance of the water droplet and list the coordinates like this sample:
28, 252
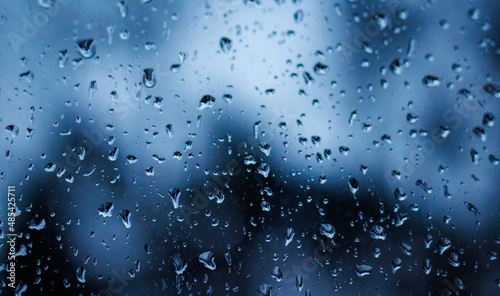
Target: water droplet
265, 290
12, 129
320, 69
431, 81
170, 131
472, 208
298, 16
316, 140
113, 154
50, 167
289, 236
264, 169
125, 217
406, 249
175, 194
474, 155
208, 260
492, 89
122, 8
299, 282
131, 159
327, 230
149, 78
426, 266
443, 244
353, 185
277, 274
37, 224
363, 270
453, 259
225, 44
396, 67
489, 120
207, 101
344, 150
106, 209
80, 274
411, 118
175, 68
265, 148
474, 14
400, 194
179, 264
29, 76
377, 232
86, 48
396, 264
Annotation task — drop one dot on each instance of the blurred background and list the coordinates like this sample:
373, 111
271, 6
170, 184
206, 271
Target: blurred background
251, 147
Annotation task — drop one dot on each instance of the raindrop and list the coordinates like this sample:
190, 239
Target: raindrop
131, 159
353, 185
106, 209
298, 16
492, 89
113, 154
327, 230
363, 270
208, 260
277, 274
179, 263
86, 48
175, 195
207, 101
265, 148
426, 266
12, 129
265, 290
344, 150
225, 44
122, 8
400, 194
149, 78
431, 81
320, 69
80, 274
289, 236
37, 224
125, 217
488, 120
377, 232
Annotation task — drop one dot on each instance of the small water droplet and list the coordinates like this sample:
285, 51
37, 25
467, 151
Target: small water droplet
225, 44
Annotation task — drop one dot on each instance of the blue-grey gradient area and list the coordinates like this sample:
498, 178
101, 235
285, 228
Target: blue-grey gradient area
251, 147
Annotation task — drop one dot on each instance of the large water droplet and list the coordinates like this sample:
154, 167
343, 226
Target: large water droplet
86, 48
149, 78
208, 260
363, 270
106, 209
80, 274
431, 81
175, 194
125, 217
207, 101
327, 230
377, 232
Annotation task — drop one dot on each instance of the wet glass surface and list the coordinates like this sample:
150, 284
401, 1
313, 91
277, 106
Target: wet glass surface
250, 147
